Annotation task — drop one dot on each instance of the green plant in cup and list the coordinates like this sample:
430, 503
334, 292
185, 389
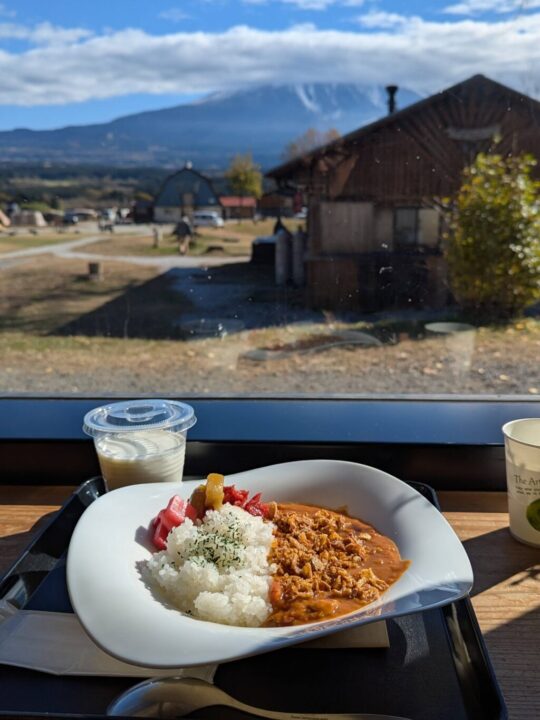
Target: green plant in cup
533, 514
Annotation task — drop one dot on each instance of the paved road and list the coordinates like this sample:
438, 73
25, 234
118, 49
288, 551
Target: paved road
68, 251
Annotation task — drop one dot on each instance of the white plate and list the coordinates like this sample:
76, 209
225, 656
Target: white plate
129, 621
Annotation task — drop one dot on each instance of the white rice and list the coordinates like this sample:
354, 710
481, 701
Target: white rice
218, 570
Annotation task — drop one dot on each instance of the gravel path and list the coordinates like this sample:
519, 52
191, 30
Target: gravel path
60, 249
68, 251
163, 263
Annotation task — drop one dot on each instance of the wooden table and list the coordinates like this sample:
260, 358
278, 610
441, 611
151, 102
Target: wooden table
506, 593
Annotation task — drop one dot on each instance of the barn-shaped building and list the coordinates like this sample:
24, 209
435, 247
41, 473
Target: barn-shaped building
374, 224
182, 193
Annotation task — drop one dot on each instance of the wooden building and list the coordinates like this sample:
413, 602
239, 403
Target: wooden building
279, 204
374, 224
182, 193
238, 207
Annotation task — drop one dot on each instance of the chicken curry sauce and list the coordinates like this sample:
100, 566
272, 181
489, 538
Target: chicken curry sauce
320, 563
327, 564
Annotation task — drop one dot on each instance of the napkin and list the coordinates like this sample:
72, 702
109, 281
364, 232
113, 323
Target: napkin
56, 643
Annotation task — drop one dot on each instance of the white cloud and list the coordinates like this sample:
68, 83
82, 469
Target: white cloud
477, 7
43, 34
310, 4
304, 27
383, 20
174, 15
422, 55
6, 12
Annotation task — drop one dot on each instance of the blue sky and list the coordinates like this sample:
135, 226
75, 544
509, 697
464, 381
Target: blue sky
74, 63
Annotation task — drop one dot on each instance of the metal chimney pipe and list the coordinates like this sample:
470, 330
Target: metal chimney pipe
391, 90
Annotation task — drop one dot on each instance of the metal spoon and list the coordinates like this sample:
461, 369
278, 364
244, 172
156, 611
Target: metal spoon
176, 697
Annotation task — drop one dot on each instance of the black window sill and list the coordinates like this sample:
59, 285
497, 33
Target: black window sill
447, 442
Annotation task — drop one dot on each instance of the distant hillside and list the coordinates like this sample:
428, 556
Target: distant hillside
208, 132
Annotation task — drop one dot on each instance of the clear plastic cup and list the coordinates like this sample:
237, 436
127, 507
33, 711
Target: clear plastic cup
140, 441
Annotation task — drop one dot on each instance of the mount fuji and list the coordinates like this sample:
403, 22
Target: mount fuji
209, 131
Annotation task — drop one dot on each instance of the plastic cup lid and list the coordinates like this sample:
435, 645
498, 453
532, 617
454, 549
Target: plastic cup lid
139, 415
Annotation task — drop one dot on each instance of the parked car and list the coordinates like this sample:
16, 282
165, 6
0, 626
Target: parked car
108, 215
71, 218
207, 219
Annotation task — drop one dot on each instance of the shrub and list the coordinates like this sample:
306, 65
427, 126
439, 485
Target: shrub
493, 246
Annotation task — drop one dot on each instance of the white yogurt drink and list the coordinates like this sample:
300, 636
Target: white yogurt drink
142, 457
140, 441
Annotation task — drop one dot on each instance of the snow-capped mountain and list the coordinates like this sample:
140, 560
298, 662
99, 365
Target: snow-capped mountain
210, 131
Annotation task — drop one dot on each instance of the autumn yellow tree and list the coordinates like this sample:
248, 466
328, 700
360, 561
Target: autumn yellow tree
493, 247
244, 176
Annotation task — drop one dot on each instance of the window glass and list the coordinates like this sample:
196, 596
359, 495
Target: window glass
406, 226
269, 197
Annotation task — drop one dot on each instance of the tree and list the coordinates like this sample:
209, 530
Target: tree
244, 176
308, 141
56, 202
493, 240
36, 206
143, 196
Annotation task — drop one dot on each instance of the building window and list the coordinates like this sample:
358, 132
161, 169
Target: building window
406, 227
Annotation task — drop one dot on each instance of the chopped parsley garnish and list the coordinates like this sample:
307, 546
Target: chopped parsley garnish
222, 548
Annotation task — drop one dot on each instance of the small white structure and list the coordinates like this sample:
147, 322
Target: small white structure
30, 218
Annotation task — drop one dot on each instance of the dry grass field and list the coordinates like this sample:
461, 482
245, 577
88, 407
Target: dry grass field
61, 332
24, 240
233, 240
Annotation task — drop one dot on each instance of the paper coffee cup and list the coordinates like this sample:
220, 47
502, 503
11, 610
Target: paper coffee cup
522, 446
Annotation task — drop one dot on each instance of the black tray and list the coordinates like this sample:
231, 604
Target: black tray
436, 668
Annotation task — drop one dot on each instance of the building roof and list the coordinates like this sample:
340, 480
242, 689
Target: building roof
237, 201
186, 181
475, 84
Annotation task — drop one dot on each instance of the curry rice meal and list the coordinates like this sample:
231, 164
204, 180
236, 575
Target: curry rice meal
231, 559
